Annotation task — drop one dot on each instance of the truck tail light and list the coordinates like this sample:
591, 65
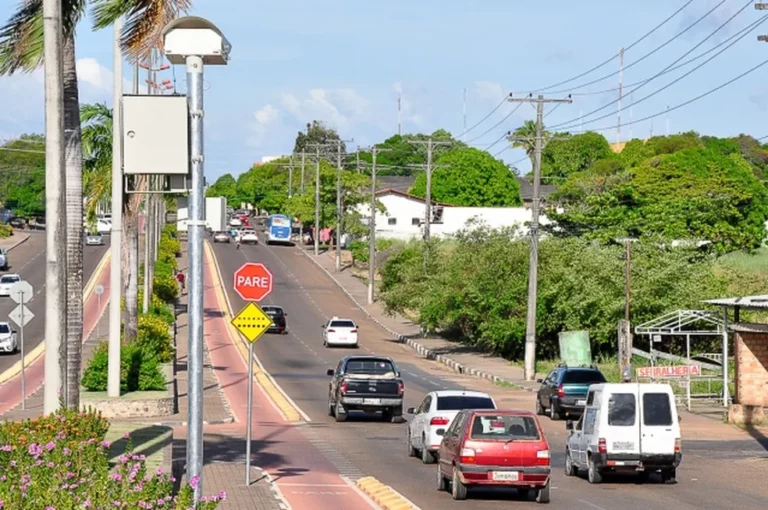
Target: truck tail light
560, 391
601, 448
343, 387
438, 420
678, 445
467, 456
400, 388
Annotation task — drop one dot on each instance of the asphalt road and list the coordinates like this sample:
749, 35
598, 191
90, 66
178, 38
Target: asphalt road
28, 260
714, 474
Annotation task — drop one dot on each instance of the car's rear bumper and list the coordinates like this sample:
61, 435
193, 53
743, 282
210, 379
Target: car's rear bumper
371, 403
336, 341
7, 347
528, 476
634, 462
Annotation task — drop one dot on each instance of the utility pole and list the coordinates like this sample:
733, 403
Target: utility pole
303, 157
357, 154
399, 115
339, 168
148, 235
316, 236
627, 279
290, 177
621, 87
530, 330
372, 227
464, 132
55, 245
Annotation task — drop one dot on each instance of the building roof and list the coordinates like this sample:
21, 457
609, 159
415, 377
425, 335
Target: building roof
390, 191
526, 189
750, 302
396, 182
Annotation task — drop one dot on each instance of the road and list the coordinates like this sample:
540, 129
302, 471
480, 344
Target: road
714, 474
28, 260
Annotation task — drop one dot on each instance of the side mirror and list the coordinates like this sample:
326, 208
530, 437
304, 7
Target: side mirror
323, 326
330, 371
397, 374
411, 410
440, 432
679, 418
569, 425
539, 380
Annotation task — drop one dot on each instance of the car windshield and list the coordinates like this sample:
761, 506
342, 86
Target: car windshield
342, 324
9, 279
460, 402
583, 377
504, 427
370, 367
4, 329
273, 312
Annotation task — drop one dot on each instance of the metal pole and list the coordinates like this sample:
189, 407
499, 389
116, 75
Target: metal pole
115, 239
372, 231
688, 355
147, 242
428, 198
290, 179
23, 381
196, 225
249, 422
726, 389
55, 246
303, 157
338, 208
317, 205
627, 278
533, 267
98, 323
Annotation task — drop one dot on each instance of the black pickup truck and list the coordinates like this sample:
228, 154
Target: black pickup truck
368, 384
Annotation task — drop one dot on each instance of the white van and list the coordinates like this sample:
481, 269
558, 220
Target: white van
626, 427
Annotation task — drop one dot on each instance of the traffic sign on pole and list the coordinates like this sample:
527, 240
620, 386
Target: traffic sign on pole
252, 322
253, 281
98, 290
21, 315
21, 291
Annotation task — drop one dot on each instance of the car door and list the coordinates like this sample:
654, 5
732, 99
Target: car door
450, 444
334, 382
416, 426
424, 416
574, 441
545, 394
589, 425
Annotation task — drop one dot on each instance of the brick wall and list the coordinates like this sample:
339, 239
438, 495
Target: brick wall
751, 368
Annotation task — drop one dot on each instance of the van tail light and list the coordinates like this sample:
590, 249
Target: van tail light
560, 391
438, 420
400, 388
343, 387
601, 448
678, 445
467, 456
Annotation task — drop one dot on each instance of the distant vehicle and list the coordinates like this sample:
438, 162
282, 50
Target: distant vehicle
564, 390
6, 282
19, 223
222, 237
437, 411
8, 342
235, 222
278, 315
103, 226
494, 448
3, 259
368, 384
278, 229
94, 240
340, 332
249, 237
626, 427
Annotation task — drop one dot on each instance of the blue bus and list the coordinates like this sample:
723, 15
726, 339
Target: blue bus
278, 229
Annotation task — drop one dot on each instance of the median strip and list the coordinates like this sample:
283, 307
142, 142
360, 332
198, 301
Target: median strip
384, 495
279, 399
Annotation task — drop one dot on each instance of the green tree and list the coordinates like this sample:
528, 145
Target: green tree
22, 175
317, 133
400, 153
96, 120
577, 153
225, 186
526, 135
471, 178
265, 186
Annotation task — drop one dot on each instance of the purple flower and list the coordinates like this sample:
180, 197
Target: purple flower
68, 463
106, 444
2, 478
13, 464
50, 446
67, 452
51, 464
127, 435
49, 508
116, 477
194, 482
159, 471
6, 448
86, 503
70, 474
223, 495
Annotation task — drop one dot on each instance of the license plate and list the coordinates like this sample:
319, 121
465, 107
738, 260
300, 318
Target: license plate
623, 445
371, 401
581, 402
505, 476
342, 339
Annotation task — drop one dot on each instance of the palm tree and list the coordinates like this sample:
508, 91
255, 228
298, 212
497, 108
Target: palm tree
96, 121
525, 138
21, 50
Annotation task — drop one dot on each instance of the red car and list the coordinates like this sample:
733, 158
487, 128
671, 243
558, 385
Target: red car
494, 448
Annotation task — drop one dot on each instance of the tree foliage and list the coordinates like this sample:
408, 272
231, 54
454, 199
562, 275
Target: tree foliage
225, 186
265, 186
22, 175
473, 178
577, 153
317, 133
398, 153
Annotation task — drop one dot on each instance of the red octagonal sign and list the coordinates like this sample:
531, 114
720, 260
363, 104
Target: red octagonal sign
253, 281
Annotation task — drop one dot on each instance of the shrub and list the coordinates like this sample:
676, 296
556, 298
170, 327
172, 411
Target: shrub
72, 425
5, 230
169, 246
154, 338
139, 370
166, 287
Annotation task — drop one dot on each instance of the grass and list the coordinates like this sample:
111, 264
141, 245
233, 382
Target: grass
756, 262
149, 440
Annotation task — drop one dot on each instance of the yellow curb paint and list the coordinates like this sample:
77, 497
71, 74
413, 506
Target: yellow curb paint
35, 353
263, 378
384, 495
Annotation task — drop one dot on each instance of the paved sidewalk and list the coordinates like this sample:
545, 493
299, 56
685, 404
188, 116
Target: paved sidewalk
18, 237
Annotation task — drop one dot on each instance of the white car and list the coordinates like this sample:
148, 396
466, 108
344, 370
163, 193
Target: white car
6, 282
437, 411
94, 240
235, 222
8, 342
103, 226
340, 332
249, 237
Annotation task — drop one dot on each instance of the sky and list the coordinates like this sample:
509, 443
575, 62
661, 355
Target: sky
346, 63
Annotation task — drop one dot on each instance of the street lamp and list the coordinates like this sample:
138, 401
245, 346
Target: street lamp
195, 42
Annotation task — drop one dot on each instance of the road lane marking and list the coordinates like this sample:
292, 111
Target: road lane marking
591, 505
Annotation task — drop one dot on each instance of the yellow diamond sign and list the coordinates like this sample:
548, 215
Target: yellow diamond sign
252, 322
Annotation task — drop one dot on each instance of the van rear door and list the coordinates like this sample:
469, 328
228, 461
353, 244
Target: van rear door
660, 427
622, 434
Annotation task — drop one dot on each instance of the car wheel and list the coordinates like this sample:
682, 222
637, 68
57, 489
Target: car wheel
426, 456
543, 494
458, 489
570, 467
340, 413
442, 484
412, 452
593, 474
386, 414
331, 409
539, 409
669, 477
553, 414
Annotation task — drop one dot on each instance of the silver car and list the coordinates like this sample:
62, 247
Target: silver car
94, 240
3, 259
221, 237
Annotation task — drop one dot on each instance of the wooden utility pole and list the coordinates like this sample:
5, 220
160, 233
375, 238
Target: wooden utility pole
627, 278
530, 329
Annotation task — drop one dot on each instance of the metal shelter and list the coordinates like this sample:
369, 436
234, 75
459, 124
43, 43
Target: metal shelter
688, 323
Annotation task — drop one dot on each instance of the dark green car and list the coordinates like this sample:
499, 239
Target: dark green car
564, 391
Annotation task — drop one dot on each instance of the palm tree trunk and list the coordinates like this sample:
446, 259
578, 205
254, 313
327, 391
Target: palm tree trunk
74, 222
131, 258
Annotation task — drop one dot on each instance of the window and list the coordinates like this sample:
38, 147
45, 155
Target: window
504, 427
590, 398
583, 377
589, 421
453, 430
372, 367
342, 324
656, 410
415, 222
460, 402
621, 410
391, 221
425, 405
9, 279
4, 329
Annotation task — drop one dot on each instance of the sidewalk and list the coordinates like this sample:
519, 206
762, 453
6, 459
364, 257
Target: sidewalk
18, 237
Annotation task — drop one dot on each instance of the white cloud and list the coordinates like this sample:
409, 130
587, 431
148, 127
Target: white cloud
342, 108
91, 72
489, 90
267, 115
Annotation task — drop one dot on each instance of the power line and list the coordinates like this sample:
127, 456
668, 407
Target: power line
652, 52
608, 61
504, 100
497, 124
571, 123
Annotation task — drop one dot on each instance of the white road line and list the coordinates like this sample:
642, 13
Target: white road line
591, 505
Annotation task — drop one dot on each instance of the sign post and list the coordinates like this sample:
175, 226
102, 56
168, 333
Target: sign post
253, 282
98, 290
21, 293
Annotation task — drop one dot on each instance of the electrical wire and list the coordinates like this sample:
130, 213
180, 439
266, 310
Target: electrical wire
501, 151
573, 122
652, 52
502, 137
487, 116
606, 62
552, 110
497, 124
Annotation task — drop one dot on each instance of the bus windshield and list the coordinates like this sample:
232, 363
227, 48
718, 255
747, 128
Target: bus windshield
280, 221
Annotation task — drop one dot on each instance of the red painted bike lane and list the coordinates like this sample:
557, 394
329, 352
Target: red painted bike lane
307, 480
34, 373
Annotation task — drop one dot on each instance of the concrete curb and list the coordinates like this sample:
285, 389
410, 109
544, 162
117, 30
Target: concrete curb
19, 242
384, 495
416, 346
